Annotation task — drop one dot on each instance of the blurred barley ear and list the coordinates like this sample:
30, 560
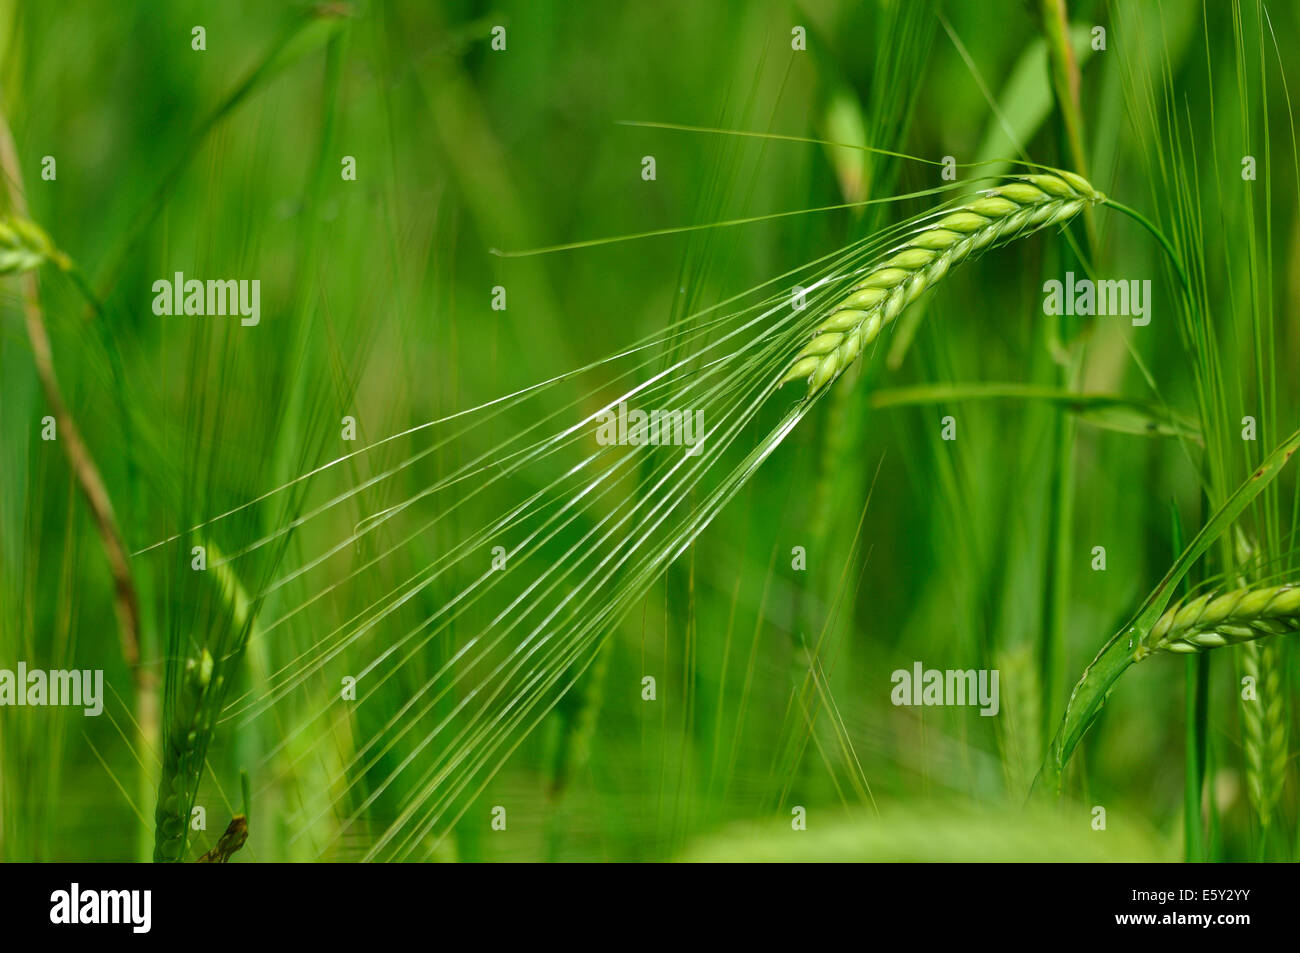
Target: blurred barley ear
189, 725
1263, 717
1264, 727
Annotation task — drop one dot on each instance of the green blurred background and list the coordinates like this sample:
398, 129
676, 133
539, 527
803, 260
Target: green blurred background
773, 683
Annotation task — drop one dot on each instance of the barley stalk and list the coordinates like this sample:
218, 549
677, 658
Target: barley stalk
183, 752
998, 216
1213, 620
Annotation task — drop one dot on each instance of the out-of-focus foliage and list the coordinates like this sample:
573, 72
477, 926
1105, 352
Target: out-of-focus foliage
772, 677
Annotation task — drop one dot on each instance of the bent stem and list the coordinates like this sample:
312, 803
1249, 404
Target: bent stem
1121, 651
1161, 238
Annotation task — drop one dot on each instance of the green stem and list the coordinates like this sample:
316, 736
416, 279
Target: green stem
1195, 694
1164, 243
1198, 684
1065, 86
1052, 649
1055, 23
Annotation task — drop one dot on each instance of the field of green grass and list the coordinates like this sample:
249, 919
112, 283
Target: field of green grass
325, 330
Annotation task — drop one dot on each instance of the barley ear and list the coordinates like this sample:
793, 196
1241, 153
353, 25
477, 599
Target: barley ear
999, 215
183, 752
1264, 728
1210, 621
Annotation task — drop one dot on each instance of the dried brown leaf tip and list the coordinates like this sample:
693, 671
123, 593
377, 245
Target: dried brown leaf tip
233, 839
